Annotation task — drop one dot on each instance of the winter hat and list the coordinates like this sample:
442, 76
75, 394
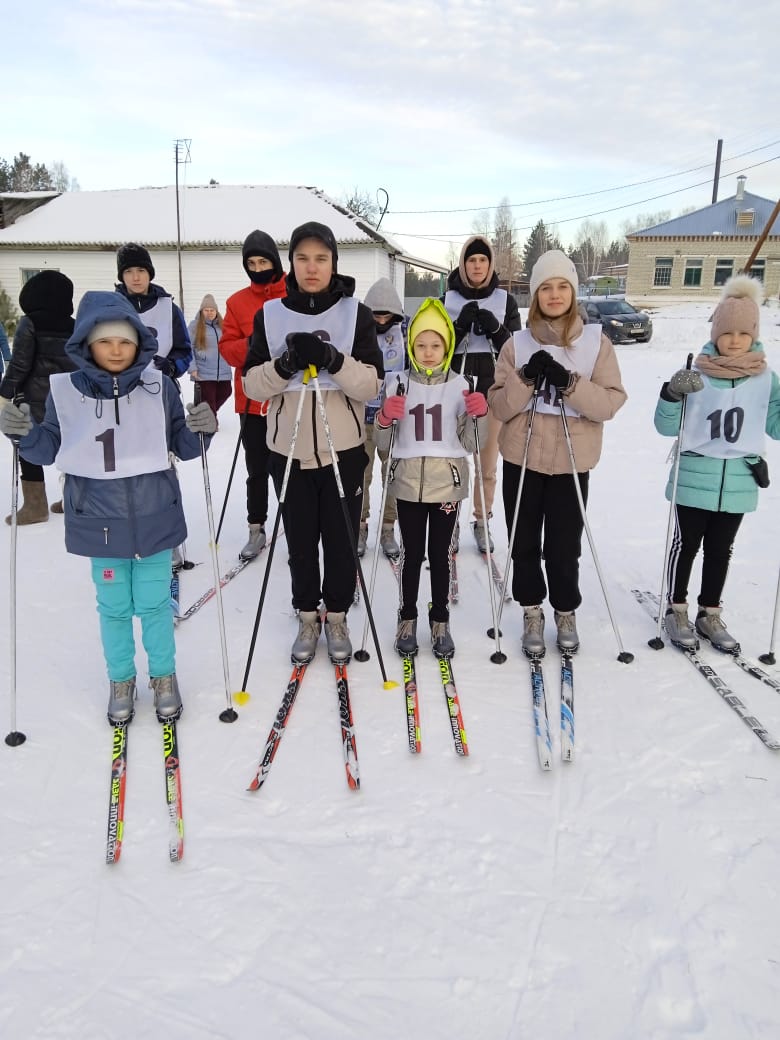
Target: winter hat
313, 229
382, 298
209, 301
553, 264
472, 246
432, 317
133, 255
258, 243
104, 329
48, 293
738, 308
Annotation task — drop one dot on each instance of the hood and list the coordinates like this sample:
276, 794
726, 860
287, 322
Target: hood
383, 297
258, 243
432, 315
109, 306
340, 285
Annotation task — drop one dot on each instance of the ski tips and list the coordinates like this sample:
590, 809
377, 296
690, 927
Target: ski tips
241, 697
389, 684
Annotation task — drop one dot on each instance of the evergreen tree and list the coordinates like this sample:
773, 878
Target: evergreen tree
539, 241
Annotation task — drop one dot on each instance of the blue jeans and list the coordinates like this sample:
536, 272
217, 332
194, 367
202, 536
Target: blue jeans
142, 588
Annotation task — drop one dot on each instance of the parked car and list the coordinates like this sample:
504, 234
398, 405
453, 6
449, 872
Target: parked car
620, 321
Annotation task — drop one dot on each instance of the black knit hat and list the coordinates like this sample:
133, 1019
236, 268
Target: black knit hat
478, 246
133, 255
313, 229
258, 243
48, 292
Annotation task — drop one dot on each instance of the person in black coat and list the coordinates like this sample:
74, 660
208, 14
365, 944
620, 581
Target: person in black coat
38, 354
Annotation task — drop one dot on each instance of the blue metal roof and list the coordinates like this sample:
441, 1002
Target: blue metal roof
717, 219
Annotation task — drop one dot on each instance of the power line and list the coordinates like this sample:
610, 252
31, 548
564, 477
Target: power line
585, 194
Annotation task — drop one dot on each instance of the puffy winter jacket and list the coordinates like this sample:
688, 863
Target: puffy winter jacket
240, 312
36, 357
180, 354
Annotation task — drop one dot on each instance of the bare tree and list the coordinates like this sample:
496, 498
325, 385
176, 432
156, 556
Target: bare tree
360, 203
61, 179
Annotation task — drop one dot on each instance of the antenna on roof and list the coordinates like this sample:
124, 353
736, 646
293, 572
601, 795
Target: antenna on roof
181, 152
383, 209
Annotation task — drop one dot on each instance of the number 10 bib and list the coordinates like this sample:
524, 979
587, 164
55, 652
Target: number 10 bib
728, 423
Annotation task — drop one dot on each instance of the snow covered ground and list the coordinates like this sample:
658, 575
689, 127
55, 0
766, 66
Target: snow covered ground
630, 894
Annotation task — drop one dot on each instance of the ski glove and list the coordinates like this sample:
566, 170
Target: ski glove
201, 419
466, 318
684, 381
393, 409
536, 365
15, 421
487, 322
476, 405
165, 365
311, 350
556, 375
287, 364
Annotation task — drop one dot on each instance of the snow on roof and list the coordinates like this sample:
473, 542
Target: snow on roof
211, 216
720, 218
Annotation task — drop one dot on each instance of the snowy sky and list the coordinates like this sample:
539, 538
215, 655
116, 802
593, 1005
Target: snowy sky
447, 105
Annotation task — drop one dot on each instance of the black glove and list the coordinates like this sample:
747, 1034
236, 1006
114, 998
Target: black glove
287, 364
536, 365
165, 365
466, 318
487, 322
311, 350
556, 375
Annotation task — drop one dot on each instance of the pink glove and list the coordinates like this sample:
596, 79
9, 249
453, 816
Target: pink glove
476, 405
394, 408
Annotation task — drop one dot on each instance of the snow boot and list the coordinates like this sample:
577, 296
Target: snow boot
121, 702
442, 643
362, 541
36, 508
57, 507
388, 543
406, 637
255, 544
533, 632
709, 624
337, 636
566, 623
679, 629
177, 560
305, 645
167, 699
479, 535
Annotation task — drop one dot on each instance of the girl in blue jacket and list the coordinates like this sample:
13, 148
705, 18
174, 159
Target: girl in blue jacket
110, 427
734, 400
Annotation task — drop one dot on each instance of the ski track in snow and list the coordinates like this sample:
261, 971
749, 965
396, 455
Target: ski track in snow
629, 895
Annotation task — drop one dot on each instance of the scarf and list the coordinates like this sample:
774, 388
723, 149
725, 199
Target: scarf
751, 364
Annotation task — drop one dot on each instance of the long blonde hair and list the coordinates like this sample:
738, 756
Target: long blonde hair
200, 329
569, 319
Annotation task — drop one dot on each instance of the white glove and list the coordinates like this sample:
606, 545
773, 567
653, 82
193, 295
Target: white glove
201, 419
15, 421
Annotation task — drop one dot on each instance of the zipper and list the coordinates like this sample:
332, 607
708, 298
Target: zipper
116, 398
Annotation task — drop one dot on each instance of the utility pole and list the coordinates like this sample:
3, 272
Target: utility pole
181, 151
716, 178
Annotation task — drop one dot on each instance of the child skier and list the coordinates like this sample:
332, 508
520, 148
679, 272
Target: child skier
734, 399
428, 475
575, 363
385, 304
110, 426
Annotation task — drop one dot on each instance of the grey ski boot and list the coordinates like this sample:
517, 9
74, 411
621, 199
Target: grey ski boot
121, 702
406, 637
305, 645
566, 623
362, 541
679, 629
442, 642
709, 624
387, 541
337, 636
255, 544
533, 632
479, 535
167, 699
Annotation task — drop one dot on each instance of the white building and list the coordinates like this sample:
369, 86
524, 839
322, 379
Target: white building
79, 233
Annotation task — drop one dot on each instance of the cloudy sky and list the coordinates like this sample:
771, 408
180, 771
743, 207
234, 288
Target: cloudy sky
594, 109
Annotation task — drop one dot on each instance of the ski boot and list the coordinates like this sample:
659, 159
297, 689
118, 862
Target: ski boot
305, 645
337, 636
406, 637
709, 624
566, 623
255, 544
388, 543
362, 541
167, 699
442, 642
679, 629
479, 535
121, 702
533, 632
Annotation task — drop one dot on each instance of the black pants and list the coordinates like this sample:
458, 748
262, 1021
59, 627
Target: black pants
30, 471
438, 520
313, 512
549, 510
256, 453
717, 531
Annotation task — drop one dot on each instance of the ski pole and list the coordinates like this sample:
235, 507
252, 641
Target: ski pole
516, 513
498, 656
282, 495
362, 654
624, 656
657, 642
769, 658
229, 714
14, 738
241, 425
388, 683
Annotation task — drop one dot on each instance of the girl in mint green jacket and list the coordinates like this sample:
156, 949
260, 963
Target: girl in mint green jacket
734, 400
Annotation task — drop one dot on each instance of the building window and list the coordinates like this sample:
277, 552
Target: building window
693, 266
723, 271
30, 272
757, 270
663, 270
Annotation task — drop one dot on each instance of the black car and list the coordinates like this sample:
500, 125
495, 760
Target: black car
620, 321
